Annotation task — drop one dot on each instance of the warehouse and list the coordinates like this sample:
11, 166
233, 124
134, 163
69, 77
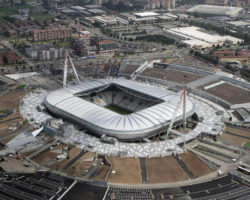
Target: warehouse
195, 36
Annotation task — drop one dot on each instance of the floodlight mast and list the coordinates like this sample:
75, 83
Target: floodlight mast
182, 98
67, 57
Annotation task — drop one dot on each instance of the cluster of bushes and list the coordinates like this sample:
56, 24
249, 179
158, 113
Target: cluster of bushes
21, 86
206, 57
121, 7
157, 39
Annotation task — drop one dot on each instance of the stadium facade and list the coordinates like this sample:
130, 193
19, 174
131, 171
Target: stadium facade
149, 109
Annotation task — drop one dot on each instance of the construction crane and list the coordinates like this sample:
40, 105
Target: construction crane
68, 58
182, 98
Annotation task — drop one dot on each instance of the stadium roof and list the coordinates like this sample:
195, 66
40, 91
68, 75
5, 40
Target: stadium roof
216, 10
100, 120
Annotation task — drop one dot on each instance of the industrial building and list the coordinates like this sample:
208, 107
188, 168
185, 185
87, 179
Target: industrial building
146, 14
216, 10
194, 37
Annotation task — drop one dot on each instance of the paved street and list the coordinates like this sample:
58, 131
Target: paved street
7, 44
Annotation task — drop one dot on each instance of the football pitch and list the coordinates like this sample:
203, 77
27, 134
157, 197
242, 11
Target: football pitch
119, 109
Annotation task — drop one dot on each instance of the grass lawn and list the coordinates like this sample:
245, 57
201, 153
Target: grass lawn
9, 10
41, 16
63, 43
118, 109
247, 144
21, 86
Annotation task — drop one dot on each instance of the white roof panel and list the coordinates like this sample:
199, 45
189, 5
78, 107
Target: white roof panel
64, 102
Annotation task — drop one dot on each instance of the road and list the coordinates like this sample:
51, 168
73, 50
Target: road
16, 132
120, 41
8, 45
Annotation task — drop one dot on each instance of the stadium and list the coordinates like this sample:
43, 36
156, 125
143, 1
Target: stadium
156, 135
120, 108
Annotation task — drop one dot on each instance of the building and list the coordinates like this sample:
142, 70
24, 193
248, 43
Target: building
232, 56
217, 2
9, 57
198, 44
106, 46
102, 45
219, 54
195, 37
97, 11
146, 14
44, 52
242, 114
154, 4
51, 34
239, 3
216, 10
105, 20
85, 34
81, 46
239, 23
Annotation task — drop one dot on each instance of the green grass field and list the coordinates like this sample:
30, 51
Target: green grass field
247, 144
42, 16
21, 86
9, 10
118, 109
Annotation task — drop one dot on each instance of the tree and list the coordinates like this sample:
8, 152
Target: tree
5, 60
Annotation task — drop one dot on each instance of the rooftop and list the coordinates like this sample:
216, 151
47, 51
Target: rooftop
146, 14
216, 10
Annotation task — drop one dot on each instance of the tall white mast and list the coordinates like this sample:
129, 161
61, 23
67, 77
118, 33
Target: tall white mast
67, 57
182, 96
65, 71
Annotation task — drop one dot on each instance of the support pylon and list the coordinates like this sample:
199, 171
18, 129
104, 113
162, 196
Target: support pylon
182, 97
67, 57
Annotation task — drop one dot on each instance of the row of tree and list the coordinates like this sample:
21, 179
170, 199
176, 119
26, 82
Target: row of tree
206, 57
121, 7
157, 39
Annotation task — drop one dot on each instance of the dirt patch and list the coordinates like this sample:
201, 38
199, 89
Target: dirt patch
45, 157
230, 93
72, 153
194, 164
245, 133
163, 170
6, 140
127, 170
231, 139
12, 164
28, 153
10, 100
101, 174
207, 84
171, 75
10, 103
78, 169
